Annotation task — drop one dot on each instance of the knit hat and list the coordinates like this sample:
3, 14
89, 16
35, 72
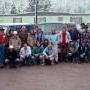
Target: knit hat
1, 29
11, 46
15, 32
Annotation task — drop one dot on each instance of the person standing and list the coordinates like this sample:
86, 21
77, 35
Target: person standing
85, 36
30, 40
3, 43
39, 36
23, 35
64, 39
75, 34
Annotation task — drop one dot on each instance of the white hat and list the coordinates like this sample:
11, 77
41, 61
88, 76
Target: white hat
23, 27
5, 31
11, 46
14, 32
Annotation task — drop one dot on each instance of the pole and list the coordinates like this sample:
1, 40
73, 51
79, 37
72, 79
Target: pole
36, 3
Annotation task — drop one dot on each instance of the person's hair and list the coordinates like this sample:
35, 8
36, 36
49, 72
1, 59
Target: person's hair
46, 40
64, 27
35, 27
39, 29
37, 43
25, 28
25, 43
86, 26
82, 24
51, 43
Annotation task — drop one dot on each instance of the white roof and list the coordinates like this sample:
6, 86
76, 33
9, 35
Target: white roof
12, 24
58, 22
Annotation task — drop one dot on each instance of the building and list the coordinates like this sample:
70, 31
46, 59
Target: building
45, 17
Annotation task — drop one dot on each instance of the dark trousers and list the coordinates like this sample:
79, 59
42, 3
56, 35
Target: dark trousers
47, 62
12, 63
63, 48
36, 59
26, 60
2, 55
74, 57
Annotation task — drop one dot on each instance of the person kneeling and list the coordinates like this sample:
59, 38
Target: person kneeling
11, 56
48, 54
25, 55
37, 54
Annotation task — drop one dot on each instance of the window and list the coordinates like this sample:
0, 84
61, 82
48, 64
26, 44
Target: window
76, 20
17, 20
40, 20
60, 18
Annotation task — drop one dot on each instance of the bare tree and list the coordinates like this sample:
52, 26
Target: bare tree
43, 5
13, 9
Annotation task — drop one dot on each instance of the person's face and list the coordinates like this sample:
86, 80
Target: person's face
35, 31
71, 43
49, 46
64, 29
32, 31
74, 28
46, 41
25, 46
86, 29
38, 44
1, 32
83, 44
53, 31
82, 26
78, 40
39, 30
23, 29
15, 35
11, 49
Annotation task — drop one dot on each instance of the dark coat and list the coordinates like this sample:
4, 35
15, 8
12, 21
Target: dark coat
11, 55
75, 34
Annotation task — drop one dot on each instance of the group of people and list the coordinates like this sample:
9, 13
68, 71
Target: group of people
24, 48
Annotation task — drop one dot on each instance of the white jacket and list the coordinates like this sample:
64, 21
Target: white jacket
25, 53
68, 37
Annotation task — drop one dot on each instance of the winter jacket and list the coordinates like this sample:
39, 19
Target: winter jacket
16, 42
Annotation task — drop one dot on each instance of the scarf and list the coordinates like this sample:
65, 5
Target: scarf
64, 37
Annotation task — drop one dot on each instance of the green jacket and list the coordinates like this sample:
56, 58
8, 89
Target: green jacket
36, 50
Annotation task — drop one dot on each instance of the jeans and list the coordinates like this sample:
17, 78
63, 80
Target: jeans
2, 54
35, 59
26, 60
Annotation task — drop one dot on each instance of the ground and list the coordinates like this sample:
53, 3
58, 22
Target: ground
56, 77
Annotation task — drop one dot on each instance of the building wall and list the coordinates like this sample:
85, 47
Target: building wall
6, 19
41, 19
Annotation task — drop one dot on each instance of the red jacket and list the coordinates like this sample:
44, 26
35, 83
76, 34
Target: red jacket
3, 39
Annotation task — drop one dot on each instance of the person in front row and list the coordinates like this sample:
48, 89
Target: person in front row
72, 52
37, 53
11, 56
25, 54
49, 55
83, 51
